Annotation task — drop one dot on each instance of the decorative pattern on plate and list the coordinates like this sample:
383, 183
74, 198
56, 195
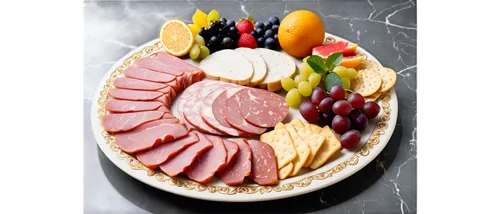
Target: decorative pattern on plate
133, 163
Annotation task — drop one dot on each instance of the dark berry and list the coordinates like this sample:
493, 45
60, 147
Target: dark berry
261, 41
227, 41
267, 25
204, 33
275, 28
270, 43
233, 29
259, 24
224, 20
231, 23
276, 37
214, 40
254, 34
274, 20
259, 31
269, 34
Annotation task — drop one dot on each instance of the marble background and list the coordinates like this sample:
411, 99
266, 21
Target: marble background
387, 29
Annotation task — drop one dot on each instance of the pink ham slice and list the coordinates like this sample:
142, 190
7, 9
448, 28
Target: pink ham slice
264, 167
154, 157
176, 62
192, 110
204, 167
128, 121
234, 118
125, 94
231, 149
148, 75
135, 84
261, 107
156, 65
150, 134
236, 171
179, 163
124, 106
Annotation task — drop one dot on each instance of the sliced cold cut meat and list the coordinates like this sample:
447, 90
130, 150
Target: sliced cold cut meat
135, 84
264, 167
231, 149
179, 163
128, 121
148, 75
150, 134
236, 171
218, 106
204, 167
262, 108
175, 62
156, 65
124, 106
125, 94
154, 157
233, 116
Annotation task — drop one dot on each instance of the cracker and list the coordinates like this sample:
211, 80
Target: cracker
285, 171
388, 77
280, 125
331, 145
313, 140
297, 122
316, 129
365, 64
301, 147
282, 144
367, 82
307, 126
373, 97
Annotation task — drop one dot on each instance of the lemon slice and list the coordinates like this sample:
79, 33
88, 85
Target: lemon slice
176, 37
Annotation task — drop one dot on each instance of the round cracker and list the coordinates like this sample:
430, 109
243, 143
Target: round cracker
366, 64
366, 83
388, 77
373, 97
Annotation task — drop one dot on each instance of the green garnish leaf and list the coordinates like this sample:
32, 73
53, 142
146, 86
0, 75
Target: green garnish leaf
317, 64
333, 60
331, 80
250, 18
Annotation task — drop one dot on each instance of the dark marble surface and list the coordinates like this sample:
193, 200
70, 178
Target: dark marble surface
387, 29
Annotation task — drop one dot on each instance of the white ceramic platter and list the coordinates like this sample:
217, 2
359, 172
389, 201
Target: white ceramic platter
342, 165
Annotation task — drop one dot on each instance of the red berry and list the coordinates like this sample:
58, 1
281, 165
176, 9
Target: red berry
247, 41
245, 26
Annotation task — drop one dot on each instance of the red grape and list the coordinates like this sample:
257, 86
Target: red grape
359, 122
317, 95
341, 124
342, 108
309, 112
357, 101
337, 93
350, 139
326, 104
371, 109
325, 119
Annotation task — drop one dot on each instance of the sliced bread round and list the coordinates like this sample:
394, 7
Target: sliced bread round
228, 66
259, 66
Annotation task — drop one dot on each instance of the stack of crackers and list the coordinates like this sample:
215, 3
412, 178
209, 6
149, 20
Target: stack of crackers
373, 80
300, 145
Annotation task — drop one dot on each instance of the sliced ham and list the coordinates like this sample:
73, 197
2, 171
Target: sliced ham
179, 163
204, 167
234, 118
128, 121
154, 157
231, 149
176, 62
125, 94
192, 110
150, 134
135, 84
156, 65
190, 93
236, 171
261, 107
148, 75
124, 106
264, 167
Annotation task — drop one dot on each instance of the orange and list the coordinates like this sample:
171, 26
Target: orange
299, 32
176, 37
351, 61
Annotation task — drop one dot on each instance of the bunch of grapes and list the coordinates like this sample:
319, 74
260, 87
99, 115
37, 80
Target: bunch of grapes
221, 34
347, 117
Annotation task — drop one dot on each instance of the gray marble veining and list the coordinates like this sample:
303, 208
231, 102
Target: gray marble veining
386, 28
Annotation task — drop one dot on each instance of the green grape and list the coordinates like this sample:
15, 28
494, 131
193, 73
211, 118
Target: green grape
341, 71
199, 40
351, 73
204, 52
195, 52
212, 16
299, 78
305, 59
346, 82
293, 98
305, 88
306, 70
314, 79
287, 83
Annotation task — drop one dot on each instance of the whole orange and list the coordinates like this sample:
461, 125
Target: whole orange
299, 32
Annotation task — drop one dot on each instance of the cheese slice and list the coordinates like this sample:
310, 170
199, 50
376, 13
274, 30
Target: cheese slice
259, 66
229, 66
279, 65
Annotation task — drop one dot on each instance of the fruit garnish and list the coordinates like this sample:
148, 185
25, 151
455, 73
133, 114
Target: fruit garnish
204, 52
245, 26
351, 61
320, 66
194, 29
299, 32
287, 83
314, 79
309, 112
299, 78
176, 37
345, 48
293, 98
200, 18
212, 16
247, 41
199, 40
304, 88
194, 52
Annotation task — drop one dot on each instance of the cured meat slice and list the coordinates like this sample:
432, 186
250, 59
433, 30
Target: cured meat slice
169, 116
175, 62
188, 94
207, 115
164, 109
169, 91
218, 106
128, 121
233, 116
150, 134
156, 65
264, 167
135, 84
262, 108
125, 94
148, 75
231, 149
154, 157
179, 163
236, 171
204, 167
192, 110
175, 85
124, 106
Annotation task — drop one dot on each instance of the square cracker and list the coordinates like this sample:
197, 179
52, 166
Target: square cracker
328, 148
285, 171
302, 148
297, 122
282, 144
316, 129
280, 125
313, 140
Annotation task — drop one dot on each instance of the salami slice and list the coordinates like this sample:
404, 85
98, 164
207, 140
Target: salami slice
236, 171
262, 108
192, 113
203, 168
148, 75
127, 121
233, 115
231, 149
264, 167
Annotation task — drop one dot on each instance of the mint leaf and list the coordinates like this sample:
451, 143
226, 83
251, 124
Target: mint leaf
317, 64
331, 80
333, 60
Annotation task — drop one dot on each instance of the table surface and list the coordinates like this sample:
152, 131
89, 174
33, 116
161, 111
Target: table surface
386, 29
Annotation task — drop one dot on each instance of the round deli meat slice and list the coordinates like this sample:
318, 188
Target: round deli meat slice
236, 171
203, 168
188, 94
231, 149
264, 166
192, 110
234, 117
262, 108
